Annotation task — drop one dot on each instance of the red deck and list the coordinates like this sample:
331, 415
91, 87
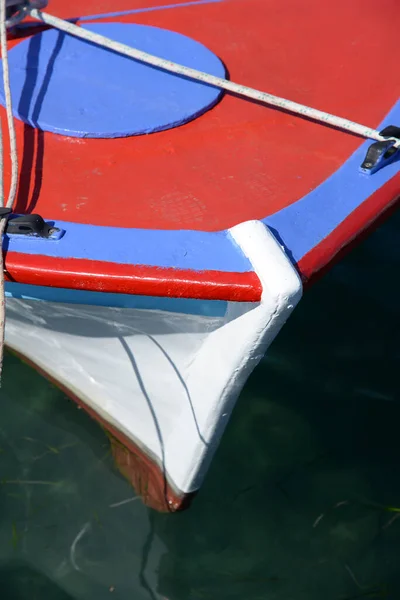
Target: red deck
240, 160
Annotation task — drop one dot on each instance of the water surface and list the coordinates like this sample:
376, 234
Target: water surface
298, 503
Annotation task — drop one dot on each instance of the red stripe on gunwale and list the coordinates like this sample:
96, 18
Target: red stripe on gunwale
98, 276
369, 215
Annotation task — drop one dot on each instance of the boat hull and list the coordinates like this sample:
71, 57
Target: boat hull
161, 377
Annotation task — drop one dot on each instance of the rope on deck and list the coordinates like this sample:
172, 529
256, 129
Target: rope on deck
14, 166
235, 88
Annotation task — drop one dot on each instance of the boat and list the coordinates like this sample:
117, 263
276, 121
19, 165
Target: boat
165, 228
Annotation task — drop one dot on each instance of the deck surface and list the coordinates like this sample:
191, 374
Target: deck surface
236, 162
240, 160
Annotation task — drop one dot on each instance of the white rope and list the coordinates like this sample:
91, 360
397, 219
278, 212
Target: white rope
14, 167
236, 88
10, 118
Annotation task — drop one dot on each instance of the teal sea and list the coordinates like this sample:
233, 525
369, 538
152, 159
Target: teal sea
301, 501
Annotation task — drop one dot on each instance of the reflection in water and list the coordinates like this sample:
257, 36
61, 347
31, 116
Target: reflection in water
297, 503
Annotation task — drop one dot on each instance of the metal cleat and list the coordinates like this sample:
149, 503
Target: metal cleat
381, 154
16, 10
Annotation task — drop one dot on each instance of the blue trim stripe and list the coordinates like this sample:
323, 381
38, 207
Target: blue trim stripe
192, 250
206, 308
133, 11
123, 13
304, 224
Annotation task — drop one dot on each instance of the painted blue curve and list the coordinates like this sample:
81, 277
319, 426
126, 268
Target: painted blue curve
304, 224
68, 86
122, 13
188, 250
133, 11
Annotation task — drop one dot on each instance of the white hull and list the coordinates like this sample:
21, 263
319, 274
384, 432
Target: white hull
165, 381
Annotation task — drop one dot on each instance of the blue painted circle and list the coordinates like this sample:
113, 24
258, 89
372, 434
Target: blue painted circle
65, 85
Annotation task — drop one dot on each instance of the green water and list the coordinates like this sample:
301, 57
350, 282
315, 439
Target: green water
295, 504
